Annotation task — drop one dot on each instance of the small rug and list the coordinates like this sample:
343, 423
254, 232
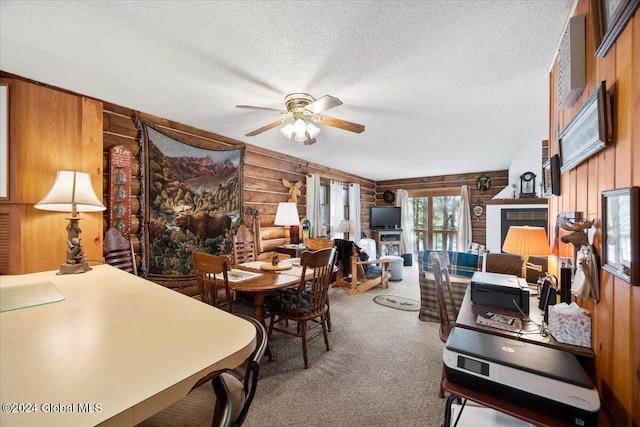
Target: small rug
397, 302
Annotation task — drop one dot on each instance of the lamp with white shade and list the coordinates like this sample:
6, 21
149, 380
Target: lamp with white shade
287, 215
347, 226
72, 192
527, 242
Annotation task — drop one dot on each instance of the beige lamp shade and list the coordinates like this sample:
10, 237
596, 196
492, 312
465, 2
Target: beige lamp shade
347, 226
287, 214
71, 192
528, 241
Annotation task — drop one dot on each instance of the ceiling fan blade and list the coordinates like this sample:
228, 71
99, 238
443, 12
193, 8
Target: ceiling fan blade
341, 124
323, 104
251, 107
267, 127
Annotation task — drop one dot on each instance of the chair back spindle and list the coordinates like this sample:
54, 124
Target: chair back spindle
211, 277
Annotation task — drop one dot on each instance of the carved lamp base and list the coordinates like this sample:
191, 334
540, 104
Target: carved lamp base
82, 267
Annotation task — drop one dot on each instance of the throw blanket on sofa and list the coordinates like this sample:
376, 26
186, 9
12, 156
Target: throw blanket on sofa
463, 264
462, 267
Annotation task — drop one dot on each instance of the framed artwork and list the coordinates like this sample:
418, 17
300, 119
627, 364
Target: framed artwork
192, 201
588, 132
610, 18
621, 233
551, 176
4, 142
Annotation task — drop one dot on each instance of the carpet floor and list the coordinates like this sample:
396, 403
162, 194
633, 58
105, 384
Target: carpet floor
383, 369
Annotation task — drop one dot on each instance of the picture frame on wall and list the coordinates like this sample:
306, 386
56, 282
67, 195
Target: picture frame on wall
551, 176
621, 233
588, 132
610, 19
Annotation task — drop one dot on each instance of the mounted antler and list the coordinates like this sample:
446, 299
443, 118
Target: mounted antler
577, 226
294, 189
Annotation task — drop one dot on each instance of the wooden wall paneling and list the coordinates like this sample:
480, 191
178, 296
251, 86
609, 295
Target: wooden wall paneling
635, 90
622, 342
91, 140
69, 128
623, 106
616, 328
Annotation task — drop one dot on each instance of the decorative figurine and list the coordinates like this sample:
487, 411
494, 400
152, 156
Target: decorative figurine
275, 260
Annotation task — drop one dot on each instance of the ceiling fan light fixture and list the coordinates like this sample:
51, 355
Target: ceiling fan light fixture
287, 130
312, 129
299, 128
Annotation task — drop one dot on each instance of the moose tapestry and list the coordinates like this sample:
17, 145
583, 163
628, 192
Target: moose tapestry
192, 200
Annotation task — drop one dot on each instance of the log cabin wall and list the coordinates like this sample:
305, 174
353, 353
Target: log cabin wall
499, 180
263, 172
616, 317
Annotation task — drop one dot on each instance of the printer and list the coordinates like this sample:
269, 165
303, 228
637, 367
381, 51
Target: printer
547, 380
504, 291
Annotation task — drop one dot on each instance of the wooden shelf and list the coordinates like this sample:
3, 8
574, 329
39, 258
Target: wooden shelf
387, 241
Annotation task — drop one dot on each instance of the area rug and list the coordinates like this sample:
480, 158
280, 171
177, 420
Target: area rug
397, 302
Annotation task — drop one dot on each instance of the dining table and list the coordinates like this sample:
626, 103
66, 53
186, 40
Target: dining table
264, 280
106, 347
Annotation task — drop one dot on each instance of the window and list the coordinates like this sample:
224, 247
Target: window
325, 207
435, 219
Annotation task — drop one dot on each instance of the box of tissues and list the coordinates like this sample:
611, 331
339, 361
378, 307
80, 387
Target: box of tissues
570, 324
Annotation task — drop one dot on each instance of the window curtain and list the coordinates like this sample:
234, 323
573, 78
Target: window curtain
354, 210
464, 225
313, 203
336, 208
406, 223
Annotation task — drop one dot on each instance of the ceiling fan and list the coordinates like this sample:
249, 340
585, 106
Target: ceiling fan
302, 111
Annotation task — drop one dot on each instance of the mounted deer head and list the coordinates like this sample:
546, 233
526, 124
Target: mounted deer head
579, 232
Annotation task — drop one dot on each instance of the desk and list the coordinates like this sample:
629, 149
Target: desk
469, 312
267, 283
503, 406
117, 340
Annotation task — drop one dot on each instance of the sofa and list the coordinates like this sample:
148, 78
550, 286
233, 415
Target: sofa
463, 265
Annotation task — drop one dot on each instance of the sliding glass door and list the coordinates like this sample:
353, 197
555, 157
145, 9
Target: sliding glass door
435, 219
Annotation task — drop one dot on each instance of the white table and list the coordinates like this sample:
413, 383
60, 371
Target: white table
118, 345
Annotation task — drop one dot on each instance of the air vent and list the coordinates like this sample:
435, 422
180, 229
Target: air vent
526, 216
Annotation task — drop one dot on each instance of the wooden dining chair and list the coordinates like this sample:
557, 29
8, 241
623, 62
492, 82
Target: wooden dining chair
211, 277
244, 246
306, 304
118, 251
440, 266
226, 401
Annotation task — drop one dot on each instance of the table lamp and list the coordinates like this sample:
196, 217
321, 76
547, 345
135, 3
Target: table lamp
347, 226
72, 192
527, 241
287, 215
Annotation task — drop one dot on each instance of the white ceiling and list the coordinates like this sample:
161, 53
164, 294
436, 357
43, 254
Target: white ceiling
442, 87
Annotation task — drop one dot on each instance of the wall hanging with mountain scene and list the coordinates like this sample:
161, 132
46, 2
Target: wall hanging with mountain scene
192, 200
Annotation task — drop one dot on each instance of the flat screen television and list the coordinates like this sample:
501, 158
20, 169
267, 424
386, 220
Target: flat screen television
385, 217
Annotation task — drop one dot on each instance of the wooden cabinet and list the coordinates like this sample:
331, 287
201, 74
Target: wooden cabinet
49, 130
387, 241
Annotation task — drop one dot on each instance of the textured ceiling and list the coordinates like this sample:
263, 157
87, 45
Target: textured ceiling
442, 87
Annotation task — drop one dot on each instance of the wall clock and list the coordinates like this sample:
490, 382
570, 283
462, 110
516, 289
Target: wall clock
528, 185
